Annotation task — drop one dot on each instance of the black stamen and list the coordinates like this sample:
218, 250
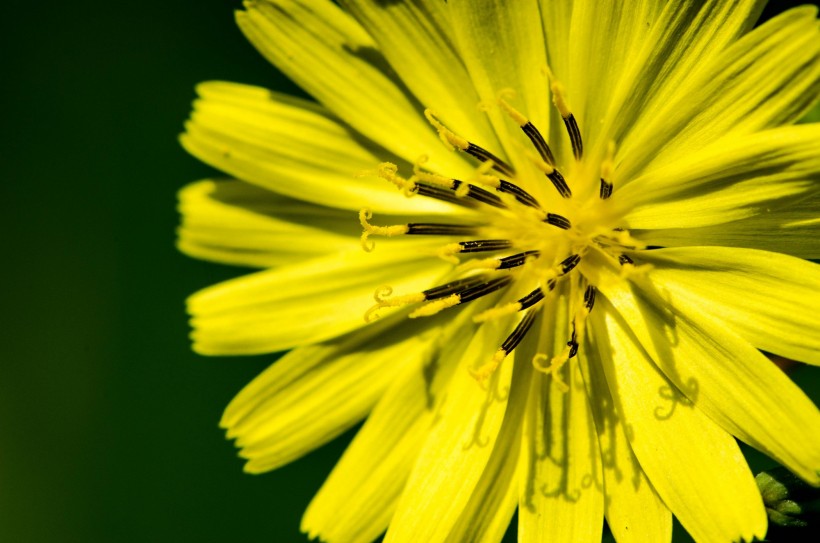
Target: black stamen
560, 184
539, 143
574, 136
606, 189
519, 332
444, 194
488, 287
558, 220
453, 287
520, 194
484, 155
483, 245
515, 260
569, 263
481, 195
589, 297
623, 259
573, 342
432, 229
531, 299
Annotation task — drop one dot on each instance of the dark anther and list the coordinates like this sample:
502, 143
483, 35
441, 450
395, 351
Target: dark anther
569, 263
480, 195
432, 229
573, 342
539, 143
520, 194
516, 260
589, 297
558, 220
560, 184
606, 189
483, 245
520, 331
531, 299
453, 287
574, 136
484, 155
444, 194
483, 289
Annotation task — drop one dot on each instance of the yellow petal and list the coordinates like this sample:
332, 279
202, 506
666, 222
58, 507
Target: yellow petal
727, 181
769, 77
415, 36
486, 516
313, 394
458, 448
634, 511
359, 498
560, 487
604, 38
303, 303
793, 229
329, 55
769, 299
292, 147
695, 466
502, 46
720, 372
236, 223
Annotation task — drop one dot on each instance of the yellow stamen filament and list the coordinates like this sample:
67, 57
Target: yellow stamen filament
388, 231
559, 98
382, 301
553, 368
435, 306
516, 115
483, 372
483, 177
450, 138
449, 251
539, 163
389, 172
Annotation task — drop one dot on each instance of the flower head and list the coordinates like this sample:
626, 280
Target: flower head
541, 244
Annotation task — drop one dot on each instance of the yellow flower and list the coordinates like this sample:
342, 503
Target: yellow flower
540, 245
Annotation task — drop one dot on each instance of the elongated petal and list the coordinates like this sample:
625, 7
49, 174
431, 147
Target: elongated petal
723, 374
315, 393
236, 223
605, 37
292, 147
415, 37
792, 229
695, 466
676, 44
502, 46
487, 514
560, 489
727, 181
457, 450
328, 54
769, 299
768, 78
304, 303
360, 496
634, 511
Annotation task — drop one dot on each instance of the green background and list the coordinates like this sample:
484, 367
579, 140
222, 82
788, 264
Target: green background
108, 422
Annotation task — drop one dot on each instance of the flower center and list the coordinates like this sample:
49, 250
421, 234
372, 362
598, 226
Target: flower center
509, 240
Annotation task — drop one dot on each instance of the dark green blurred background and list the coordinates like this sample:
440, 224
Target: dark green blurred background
108, 422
